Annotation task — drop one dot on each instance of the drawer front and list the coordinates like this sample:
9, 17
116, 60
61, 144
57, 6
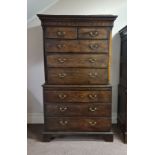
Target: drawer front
93, 33
77, 124
77, 76
61, 32
96, 46
78, 109
78, 60
61, 96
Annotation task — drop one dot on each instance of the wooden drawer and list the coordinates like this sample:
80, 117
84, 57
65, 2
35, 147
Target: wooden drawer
61, 32
77, 124
77, 76
78, 60
93, 33
60, 96
78, 109
94, 46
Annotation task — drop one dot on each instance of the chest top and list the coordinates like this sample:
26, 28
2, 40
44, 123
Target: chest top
77, 20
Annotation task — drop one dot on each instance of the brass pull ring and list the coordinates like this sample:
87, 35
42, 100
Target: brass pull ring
61, 60
92, 60
61, 33
63, 122
92, 109
92, 96
93, 75
93, 33
93, 46
60, 46
62, 75
62, 109
62, 96
92, 123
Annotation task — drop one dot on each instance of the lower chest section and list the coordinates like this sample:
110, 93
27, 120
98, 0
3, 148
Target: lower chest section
77, 109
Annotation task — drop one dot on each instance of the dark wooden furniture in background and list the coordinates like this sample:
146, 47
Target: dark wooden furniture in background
77, 94
122, 88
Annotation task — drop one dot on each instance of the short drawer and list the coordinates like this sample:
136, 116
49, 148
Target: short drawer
61, 32
93, 46
91, 96
77, 76
93, 33
78, 109
78, 60
77, 124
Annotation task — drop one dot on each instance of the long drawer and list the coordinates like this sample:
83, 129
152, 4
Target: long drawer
78, 60
93, 46
77, 124
78, 109
77, 76
62, 96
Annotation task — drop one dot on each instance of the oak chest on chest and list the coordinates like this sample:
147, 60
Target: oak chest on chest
77, 94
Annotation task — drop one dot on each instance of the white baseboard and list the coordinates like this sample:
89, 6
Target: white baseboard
37, 118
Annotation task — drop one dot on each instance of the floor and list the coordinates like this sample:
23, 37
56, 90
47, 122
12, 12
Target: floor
73, 145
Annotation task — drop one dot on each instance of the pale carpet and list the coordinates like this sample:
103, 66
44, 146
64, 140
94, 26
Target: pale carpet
73, 145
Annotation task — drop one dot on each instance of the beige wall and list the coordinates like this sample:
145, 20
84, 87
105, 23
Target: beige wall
35, 48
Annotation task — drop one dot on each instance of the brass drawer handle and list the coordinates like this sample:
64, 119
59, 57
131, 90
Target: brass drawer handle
63, 122
62, 109
62, 75
93, 46
60, 46
92, 60
92, 109
61, 60
62, 96
93, 33
61, 33
93, 75
92, 96
92, 123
